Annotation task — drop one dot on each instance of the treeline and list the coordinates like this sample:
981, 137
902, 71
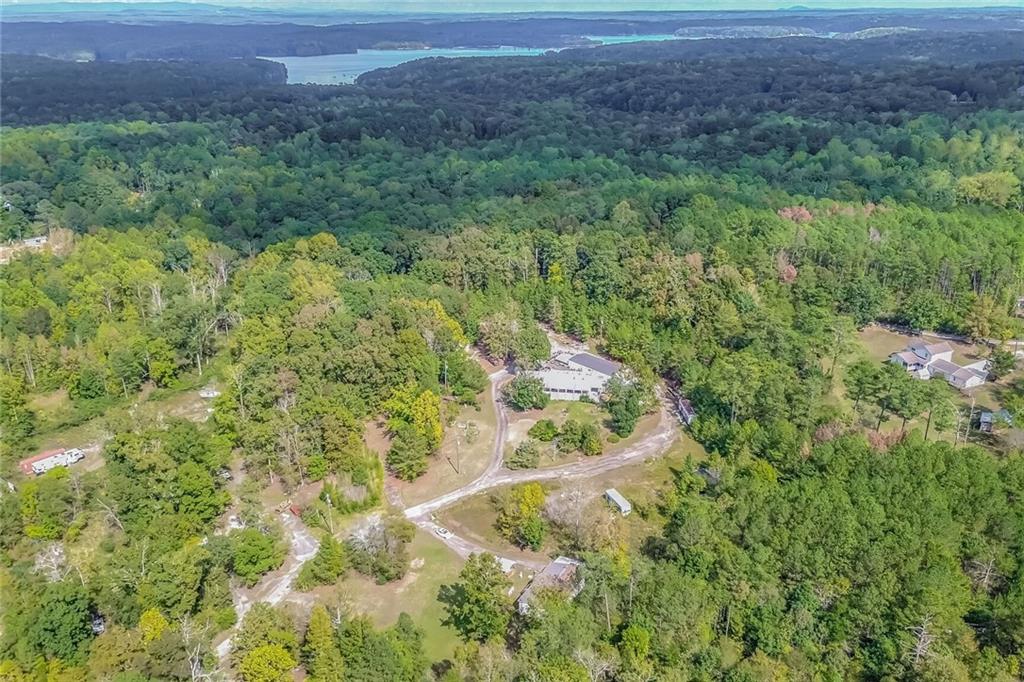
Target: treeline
37, 89
836, 563
256, 36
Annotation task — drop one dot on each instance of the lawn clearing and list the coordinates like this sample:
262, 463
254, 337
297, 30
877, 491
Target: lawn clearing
458, 462
416, 594
877, 343
474, 519
151, 406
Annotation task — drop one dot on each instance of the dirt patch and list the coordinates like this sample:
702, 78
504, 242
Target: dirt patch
487, 364
376, 437
50, 402
458, 461
517, 430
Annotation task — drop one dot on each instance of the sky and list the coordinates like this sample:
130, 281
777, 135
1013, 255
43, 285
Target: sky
445, 6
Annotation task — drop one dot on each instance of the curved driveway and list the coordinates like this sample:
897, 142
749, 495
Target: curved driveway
494, 476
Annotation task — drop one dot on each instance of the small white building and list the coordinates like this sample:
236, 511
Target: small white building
570, 376
926, 360
617, 500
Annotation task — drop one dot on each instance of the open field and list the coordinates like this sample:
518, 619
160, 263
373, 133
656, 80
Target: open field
151, 405
641, 482
879, 343
416, 594
474, 519
458, 462
559, 411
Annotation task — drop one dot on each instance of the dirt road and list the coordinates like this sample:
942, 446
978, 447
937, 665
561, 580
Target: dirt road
277, 586
494, 476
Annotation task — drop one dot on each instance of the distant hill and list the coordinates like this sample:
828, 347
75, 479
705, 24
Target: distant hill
207, 32
42, 89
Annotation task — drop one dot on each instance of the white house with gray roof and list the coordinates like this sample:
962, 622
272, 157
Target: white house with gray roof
925, 360
570, 376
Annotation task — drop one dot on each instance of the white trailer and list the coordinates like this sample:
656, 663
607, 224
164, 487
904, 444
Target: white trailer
60, 459
618, 501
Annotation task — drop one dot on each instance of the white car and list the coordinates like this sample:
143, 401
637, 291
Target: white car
443, 532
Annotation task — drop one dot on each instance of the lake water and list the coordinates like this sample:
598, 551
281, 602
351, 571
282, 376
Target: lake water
335, 69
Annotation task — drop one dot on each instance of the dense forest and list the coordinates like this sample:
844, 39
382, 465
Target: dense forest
283, 31
325, 255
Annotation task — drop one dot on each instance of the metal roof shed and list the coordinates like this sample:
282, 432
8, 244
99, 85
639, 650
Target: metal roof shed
616, 498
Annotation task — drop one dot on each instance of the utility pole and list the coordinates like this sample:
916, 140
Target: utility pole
970, 417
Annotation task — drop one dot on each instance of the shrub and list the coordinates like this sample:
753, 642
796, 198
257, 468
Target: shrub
377, 547
325, 567
545, 431
254, 553
526, 393
525, 456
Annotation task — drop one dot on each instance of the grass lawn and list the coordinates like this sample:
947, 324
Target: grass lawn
559, 411
876, 343
149, 406
471, 458
879, 343
641, 482
416, 594
474, 519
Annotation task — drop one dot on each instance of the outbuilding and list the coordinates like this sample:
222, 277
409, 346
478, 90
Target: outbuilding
616, 499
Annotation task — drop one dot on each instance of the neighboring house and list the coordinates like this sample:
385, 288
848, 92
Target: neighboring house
562, 574
570, 376
926, 360
51, 459
988, 420
618, 501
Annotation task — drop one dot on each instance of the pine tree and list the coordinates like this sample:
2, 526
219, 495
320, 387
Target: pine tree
320, 650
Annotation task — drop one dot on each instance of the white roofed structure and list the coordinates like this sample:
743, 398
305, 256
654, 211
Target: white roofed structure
619, 501
570, 376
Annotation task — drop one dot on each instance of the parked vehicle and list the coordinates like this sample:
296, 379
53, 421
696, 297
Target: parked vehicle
52, 459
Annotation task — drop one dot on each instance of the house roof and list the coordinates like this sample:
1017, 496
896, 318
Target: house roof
946, 367
965, 373
561, 571
909, 357
559, 574
930, 348
595, 363
568, 379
